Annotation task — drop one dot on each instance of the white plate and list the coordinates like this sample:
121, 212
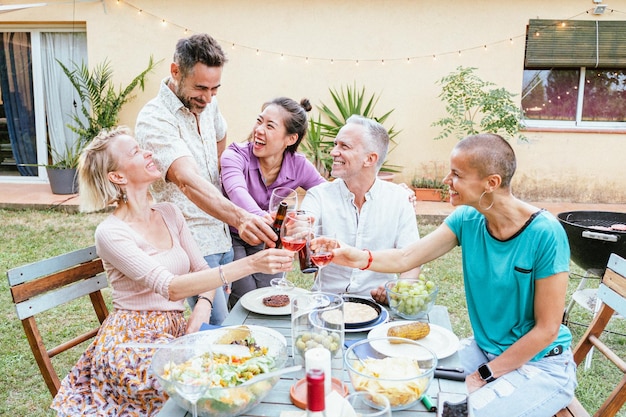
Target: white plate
384, 316
253, 300
258, 332
440, 340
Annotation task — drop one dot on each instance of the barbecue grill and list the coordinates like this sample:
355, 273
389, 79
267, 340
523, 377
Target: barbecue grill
592, 237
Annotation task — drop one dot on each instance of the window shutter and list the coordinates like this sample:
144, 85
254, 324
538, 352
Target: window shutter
575, 43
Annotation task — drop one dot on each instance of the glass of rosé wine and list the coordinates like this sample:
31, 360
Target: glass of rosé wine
295, 230
322, 252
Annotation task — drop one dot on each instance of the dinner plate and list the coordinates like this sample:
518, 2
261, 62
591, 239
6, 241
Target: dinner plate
253, 300
440, 340
384, 316
261, 331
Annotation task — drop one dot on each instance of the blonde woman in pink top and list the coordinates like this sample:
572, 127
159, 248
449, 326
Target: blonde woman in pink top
153, 264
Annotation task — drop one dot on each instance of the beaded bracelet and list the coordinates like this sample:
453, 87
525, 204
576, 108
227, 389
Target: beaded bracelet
369, 260
202, 297
225, 283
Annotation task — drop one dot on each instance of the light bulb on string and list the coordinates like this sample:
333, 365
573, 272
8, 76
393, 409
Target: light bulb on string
163, 22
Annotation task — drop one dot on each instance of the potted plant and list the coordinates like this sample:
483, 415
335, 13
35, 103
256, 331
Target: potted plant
472, 107
429, 189
100, 104
429, 185
321, 136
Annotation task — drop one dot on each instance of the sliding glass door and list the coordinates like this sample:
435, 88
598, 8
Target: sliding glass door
36, 100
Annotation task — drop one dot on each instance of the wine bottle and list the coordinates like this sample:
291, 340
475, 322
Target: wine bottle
278, 221
315, 399
306, 264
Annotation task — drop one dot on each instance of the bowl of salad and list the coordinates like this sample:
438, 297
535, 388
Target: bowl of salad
216, 366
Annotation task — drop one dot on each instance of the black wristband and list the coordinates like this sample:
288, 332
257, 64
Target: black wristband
202, 297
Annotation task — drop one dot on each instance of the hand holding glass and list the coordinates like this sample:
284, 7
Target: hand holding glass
293, 234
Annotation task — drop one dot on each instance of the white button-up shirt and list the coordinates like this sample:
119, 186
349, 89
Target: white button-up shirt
386, 220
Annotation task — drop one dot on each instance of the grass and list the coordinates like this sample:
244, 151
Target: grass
28, 236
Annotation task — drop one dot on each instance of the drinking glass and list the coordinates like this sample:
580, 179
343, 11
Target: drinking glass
192, 385
317, 322
365, 404
322, 254
295, 230
290, 196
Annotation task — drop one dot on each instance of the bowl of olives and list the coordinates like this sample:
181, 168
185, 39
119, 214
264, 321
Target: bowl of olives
411, 298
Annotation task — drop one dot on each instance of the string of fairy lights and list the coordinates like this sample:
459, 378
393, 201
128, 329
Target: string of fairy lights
186, 31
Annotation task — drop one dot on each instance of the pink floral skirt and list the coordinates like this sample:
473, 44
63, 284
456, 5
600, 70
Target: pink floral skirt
109, 380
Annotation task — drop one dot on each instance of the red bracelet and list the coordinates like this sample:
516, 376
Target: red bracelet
369, 261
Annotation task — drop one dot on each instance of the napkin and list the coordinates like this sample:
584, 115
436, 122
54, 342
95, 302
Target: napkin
334, 407
208, 326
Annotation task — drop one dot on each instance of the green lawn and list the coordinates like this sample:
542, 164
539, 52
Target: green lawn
28, 236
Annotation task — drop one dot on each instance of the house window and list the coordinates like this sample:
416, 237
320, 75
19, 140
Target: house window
36, 101
575, 74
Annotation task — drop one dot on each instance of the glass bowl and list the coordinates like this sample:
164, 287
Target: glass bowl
401, 371
411, 298
229, 400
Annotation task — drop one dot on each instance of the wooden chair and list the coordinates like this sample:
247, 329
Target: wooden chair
44, 285
612, 294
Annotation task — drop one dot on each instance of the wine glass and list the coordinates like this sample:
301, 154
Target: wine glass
290, 196
295, 230
322, 253
365, 404
191, 372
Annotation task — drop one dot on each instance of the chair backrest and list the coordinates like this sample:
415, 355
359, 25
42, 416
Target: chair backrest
44, 285
612, 293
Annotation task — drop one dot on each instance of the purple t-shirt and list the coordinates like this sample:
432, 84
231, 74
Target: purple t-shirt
243, 184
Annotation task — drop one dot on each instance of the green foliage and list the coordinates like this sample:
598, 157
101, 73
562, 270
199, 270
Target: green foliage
101, 103
317, 149
423, 182
473, 107
348, 100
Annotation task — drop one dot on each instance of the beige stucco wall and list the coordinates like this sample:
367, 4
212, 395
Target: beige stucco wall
552, 165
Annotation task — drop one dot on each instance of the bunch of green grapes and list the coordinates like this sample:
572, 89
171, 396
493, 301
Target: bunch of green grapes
409, 298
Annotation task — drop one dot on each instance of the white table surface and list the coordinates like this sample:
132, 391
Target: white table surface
278, 399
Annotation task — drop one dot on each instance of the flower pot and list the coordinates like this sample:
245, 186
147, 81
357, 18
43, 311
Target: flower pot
430, 194
62, 180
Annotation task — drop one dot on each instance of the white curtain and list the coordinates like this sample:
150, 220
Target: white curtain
59, 93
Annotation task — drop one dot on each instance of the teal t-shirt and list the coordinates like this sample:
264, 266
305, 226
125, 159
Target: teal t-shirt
499, 276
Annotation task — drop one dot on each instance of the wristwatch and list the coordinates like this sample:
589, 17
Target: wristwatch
485, 373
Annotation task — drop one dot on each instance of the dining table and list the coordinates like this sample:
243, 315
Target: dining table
278, 399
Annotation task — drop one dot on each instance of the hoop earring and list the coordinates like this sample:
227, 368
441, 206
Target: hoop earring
481, 199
